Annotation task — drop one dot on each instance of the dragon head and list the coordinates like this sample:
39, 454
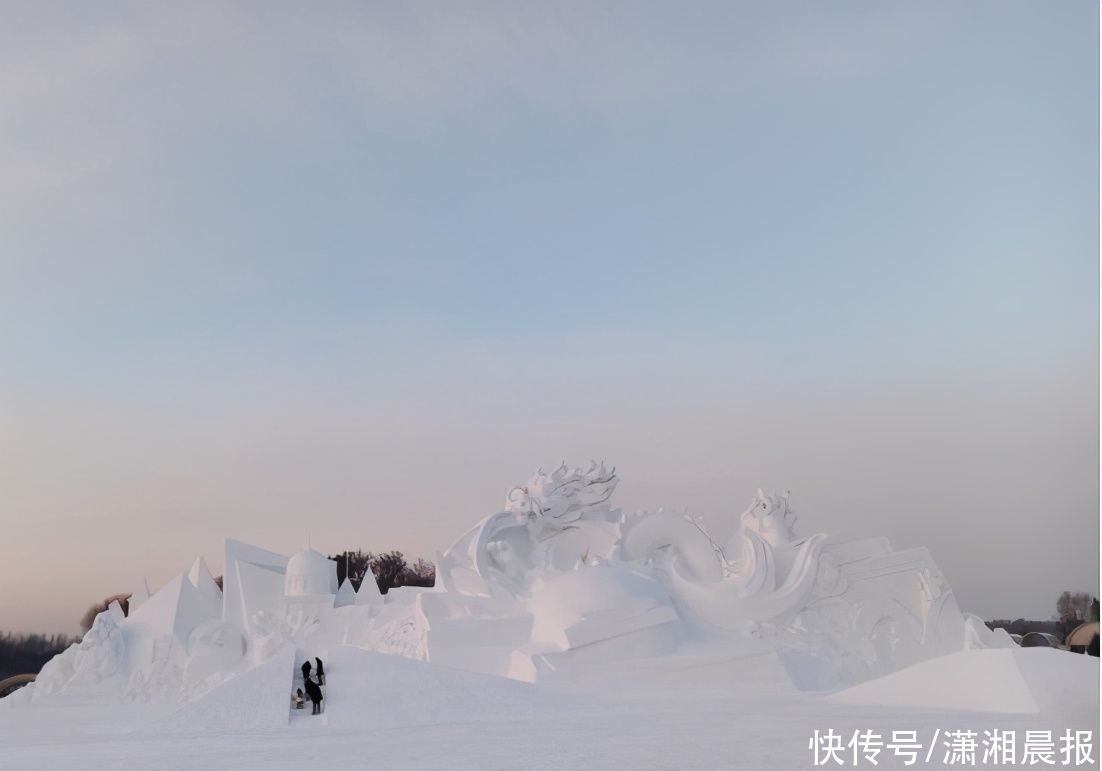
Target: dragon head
770, 517
565, 495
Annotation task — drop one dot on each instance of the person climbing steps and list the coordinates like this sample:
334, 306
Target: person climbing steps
313, 690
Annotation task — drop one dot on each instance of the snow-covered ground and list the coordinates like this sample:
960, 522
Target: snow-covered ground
699, 709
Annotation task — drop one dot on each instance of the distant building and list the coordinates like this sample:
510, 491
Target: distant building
1040, 640
1084, 639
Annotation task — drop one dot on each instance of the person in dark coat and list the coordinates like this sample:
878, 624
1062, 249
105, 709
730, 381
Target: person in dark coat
306, 670
321, 672
313, 690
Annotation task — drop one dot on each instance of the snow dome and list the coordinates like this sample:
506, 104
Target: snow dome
310, 573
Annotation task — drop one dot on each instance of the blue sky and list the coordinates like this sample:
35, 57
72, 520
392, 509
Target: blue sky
368, 264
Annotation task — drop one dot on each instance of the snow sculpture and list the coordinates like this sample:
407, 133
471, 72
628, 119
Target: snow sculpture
836, 613
548, 571
346, 595
369, 593
310, 574
562, 521
214, 647
91, 667
556, 579
600, 604
764, 574
253, 583
548, 523
139, 595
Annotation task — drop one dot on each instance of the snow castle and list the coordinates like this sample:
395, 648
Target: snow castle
558, 579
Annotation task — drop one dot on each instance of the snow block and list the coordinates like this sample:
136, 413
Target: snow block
256, 700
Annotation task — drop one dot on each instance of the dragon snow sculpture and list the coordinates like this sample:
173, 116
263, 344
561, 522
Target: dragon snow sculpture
843, 612
553, 521
548, 523
763, 573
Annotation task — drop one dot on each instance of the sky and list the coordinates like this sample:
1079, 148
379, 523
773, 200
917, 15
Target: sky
344, 273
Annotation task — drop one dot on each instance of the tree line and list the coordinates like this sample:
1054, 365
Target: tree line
390, 568
25, 653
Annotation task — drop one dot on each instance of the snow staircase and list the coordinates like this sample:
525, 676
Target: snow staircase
297, 716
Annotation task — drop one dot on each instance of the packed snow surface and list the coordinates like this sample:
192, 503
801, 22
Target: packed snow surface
255, 700
979, 680
1018, 680
699, 708
381, 691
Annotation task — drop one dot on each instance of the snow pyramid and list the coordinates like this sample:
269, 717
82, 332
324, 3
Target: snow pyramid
139, 595
346, 595
369, 593
176, 609
203, 581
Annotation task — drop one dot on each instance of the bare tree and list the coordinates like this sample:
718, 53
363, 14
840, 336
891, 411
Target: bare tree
26, 653
389, 568
1073, 607
420, 573
353, 565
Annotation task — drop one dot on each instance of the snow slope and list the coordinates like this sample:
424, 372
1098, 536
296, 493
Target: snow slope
979, 680
1058, 682
365, 689
698, 710
256, 700
1017, 680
